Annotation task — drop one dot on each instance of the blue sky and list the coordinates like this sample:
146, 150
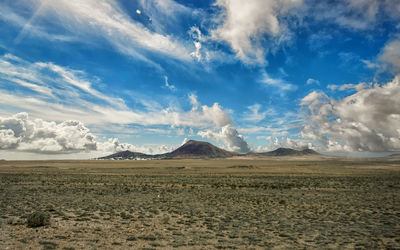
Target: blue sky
80, 79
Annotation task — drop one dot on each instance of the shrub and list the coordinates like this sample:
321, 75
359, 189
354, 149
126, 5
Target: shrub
38, 219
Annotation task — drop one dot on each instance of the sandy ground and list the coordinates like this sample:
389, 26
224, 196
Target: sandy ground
283, 203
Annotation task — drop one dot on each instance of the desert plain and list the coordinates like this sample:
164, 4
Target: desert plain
269, 203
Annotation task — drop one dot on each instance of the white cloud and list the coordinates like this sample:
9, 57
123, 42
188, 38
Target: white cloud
255, 114
40, 89
352, 14
14, 13
284, 142
197, 54
358, 87
36, 77
8, 140
197, 37
276, 82
195, 103
104, 19
311, 81
77, 79
168, 85
369, 64
19, 132
280, 131
245, 23
184, 141
165, 14
229, 136
113, 145
367, 120
390, 55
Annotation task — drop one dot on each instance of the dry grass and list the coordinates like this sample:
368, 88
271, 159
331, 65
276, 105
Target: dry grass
202, 204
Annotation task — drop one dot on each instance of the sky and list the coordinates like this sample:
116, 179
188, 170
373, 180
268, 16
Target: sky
86, 78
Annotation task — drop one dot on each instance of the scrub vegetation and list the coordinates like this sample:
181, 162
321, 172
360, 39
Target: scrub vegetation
201, 204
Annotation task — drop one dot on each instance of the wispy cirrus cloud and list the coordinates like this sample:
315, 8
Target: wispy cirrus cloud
96, 19
255, 115
358, 87
278, 83
311, 81
49, 80
354, 14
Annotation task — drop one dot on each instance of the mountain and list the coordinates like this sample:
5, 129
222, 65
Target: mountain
199, 149
287, 152
126, 155
191, 149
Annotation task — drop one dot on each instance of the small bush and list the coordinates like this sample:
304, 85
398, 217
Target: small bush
38, 219
131, 238
48, 245
165, 219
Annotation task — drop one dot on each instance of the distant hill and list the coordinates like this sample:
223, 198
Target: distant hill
287, 152
394, 156
191, 149
199, 149
126, 155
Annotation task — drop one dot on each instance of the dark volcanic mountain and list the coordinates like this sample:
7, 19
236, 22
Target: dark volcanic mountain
288, 152
199, 149
125, 155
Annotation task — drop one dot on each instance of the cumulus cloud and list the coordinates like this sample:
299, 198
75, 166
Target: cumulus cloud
213, 113
284, 142
113, 145
22, 133
245, 23
229, 136
367, 120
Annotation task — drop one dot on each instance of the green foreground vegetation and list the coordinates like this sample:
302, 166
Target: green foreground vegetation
201, 204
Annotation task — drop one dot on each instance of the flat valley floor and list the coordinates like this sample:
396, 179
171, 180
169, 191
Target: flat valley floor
271, 203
